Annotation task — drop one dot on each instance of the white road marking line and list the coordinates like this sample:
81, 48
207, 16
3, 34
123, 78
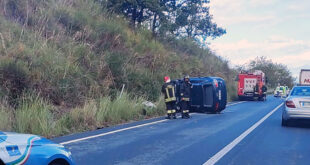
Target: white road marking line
124, 129
236, 103
231, 145
112, 132
116, 131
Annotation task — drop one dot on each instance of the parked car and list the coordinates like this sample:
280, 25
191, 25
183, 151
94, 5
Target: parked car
297, 105
29, 149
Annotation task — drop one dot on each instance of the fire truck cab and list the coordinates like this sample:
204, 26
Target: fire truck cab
251, 85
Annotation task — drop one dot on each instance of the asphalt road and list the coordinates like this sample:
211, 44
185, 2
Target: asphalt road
244, 133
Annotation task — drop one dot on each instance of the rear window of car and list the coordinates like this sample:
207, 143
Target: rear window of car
301, 91
281, 88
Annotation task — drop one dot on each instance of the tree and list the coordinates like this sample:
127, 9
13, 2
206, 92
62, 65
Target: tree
193, 19
136, 10
276, 73
182, 18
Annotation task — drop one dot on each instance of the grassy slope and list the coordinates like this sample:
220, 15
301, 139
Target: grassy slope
62, 64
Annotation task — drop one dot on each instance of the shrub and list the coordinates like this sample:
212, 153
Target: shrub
124, 108
85, 117
13, 80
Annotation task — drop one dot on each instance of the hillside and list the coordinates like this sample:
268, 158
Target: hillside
63, 64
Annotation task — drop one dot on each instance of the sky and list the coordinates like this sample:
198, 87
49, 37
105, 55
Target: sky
277, 29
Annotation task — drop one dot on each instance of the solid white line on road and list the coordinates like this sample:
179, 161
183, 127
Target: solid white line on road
116, 131
231, 145
236, 103
112, 132
124, 129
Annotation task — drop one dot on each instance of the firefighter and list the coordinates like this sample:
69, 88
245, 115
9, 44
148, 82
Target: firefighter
185, 90
168, 90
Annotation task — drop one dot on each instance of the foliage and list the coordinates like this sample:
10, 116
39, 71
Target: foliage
275, 73
6, 117
190, 18
34, 115
37, 116
13, 80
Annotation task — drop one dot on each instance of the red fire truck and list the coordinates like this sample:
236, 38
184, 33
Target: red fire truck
251, 85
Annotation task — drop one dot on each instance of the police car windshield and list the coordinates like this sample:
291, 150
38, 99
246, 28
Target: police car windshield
301, 91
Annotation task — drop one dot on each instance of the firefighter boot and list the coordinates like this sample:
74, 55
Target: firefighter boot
173, 115
168, 114
185, 114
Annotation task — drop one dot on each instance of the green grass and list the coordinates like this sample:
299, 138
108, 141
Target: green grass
34, 115
6, 118
38, 116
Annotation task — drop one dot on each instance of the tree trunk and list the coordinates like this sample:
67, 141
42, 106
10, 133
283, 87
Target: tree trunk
140, 17
154, 25
133, 17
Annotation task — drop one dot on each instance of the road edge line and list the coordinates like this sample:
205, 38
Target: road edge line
236, 103
111, 132
214, 159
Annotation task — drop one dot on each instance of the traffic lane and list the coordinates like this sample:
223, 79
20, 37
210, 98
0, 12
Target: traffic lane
175, 141
227, 127
273, 144
156, 144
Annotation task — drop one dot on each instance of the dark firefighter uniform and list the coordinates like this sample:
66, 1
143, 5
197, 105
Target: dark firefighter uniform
168, 90
185, 91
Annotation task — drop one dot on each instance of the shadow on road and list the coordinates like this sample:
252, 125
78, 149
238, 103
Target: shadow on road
300, 124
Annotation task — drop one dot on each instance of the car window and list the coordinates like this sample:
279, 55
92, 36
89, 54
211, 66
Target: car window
281, 88
301, 91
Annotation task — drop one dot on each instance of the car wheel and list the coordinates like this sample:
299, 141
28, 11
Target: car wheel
59, 162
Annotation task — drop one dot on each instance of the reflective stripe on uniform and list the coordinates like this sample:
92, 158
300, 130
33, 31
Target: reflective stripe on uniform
185, 111
169, 111
170, 99
185, 99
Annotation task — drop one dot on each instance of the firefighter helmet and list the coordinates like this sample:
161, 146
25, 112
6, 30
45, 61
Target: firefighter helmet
166, 79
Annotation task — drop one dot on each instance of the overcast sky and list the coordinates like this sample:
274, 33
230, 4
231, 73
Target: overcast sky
277, 29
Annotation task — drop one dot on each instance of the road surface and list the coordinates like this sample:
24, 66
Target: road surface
244, 133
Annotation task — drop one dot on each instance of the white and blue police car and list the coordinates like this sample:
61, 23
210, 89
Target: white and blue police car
26, 149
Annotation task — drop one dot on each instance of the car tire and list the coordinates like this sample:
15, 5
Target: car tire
59, 162
284, 122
